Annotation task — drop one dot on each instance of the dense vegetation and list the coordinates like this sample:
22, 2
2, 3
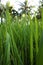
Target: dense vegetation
21, 39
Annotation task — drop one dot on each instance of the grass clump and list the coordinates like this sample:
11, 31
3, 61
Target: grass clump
20, 41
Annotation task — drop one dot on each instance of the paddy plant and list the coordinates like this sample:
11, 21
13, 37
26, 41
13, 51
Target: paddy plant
21, 41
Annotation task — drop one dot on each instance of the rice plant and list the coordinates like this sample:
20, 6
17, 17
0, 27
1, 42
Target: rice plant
21, 42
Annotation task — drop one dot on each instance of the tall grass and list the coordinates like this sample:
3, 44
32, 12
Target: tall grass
20, 41
36, 35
